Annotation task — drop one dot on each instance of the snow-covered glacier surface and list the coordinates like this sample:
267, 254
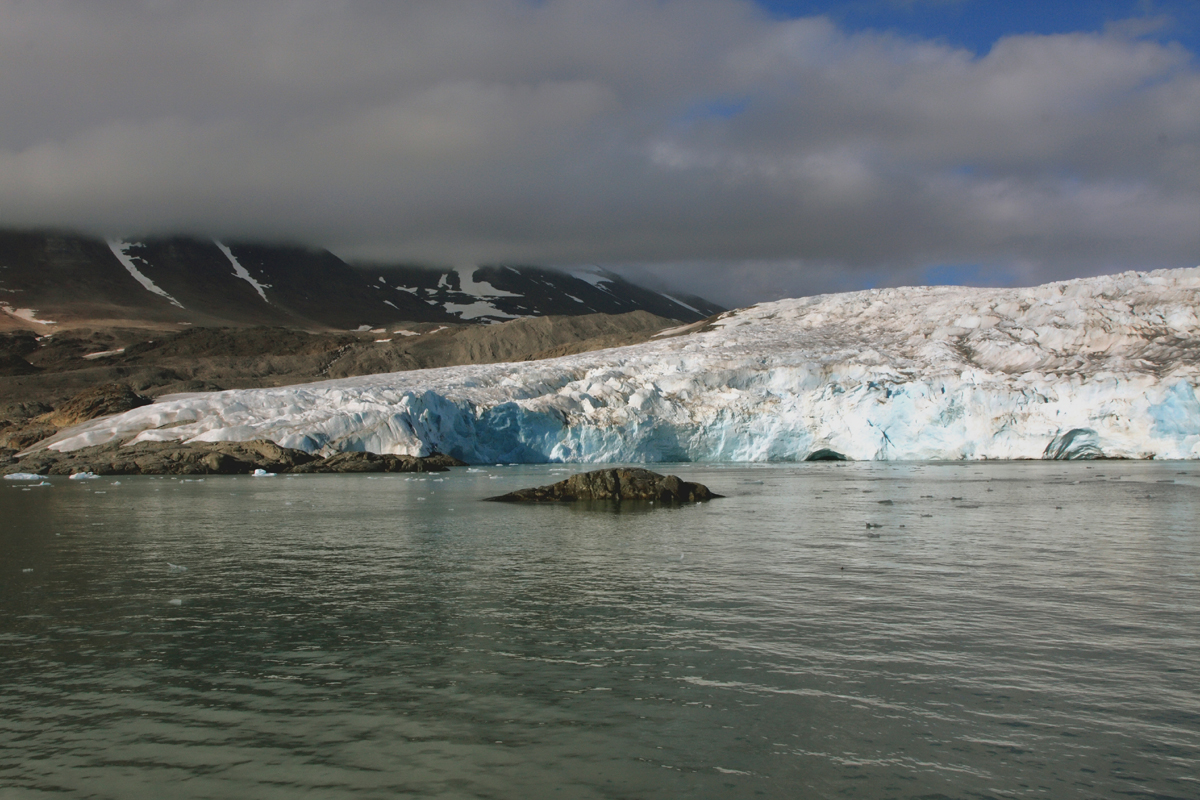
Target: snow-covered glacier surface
1080, 368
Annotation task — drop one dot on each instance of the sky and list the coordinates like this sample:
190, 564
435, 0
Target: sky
740, 150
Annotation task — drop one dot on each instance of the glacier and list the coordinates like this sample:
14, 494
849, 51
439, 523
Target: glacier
1103, 366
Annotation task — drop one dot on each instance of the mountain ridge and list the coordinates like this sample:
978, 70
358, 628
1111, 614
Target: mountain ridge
60, 279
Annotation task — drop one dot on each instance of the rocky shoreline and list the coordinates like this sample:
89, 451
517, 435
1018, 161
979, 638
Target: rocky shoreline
173, 458
211, 458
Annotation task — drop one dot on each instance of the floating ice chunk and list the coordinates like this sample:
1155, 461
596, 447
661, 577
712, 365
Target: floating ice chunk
24, 476
176, 567
176, 602
262, 473
27, 569
84, 476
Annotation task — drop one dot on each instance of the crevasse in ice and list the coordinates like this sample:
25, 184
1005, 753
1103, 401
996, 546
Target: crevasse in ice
1097, 366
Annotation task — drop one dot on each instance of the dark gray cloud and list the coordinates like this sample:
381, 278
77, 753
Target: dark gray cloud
699, 141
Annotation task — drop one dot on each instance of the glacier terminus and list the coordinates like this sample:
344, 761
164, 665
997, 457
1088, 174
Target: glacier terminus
1104, 366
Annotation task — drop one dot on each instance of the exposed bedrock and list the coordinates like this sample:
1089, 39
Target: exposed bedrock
825, 454
375, 462
212, 458
19, 428
1077, 444
632, 484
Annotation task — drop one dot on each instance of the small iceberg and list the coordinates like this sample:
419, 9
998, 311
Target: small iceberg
84, 476
262, 473
24, 476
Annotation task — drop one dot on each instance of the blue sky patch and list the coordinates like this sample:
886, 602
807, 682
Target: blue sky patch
716, 108
978, 24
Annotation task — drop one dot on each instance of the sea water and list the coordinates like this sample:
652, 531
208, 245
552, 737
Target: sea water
1008, 630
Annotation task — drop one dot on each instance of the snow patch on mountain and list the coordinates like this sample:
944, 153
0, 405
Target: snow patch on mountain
593, 276
477, 310
679, 302
120, 249
481, 289
1101, 366
243, 273
27, 314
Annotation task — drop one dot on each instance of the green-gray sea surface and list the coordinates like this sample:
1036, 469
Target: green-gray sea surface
1010, 630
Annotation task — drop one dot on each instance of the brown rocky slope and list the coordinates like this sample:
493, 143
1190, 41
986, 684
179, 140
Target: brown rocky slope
213, 458
52, 381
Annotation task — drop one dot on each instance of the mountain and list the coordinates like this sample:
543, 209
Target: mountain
495, 293
49, 278
1104, 366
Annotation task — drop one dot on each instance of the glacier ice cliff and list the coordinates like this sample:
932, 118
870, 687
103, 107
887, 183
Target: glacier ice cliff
1099, 366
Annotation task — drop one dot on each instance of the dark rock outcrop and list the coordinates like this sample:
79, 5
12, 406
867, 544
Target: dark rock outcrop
165, 458
18, 437
825, 454
376, 462
96, 402
630, 484
441, 460
1077, 444
212, 458
13, 364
